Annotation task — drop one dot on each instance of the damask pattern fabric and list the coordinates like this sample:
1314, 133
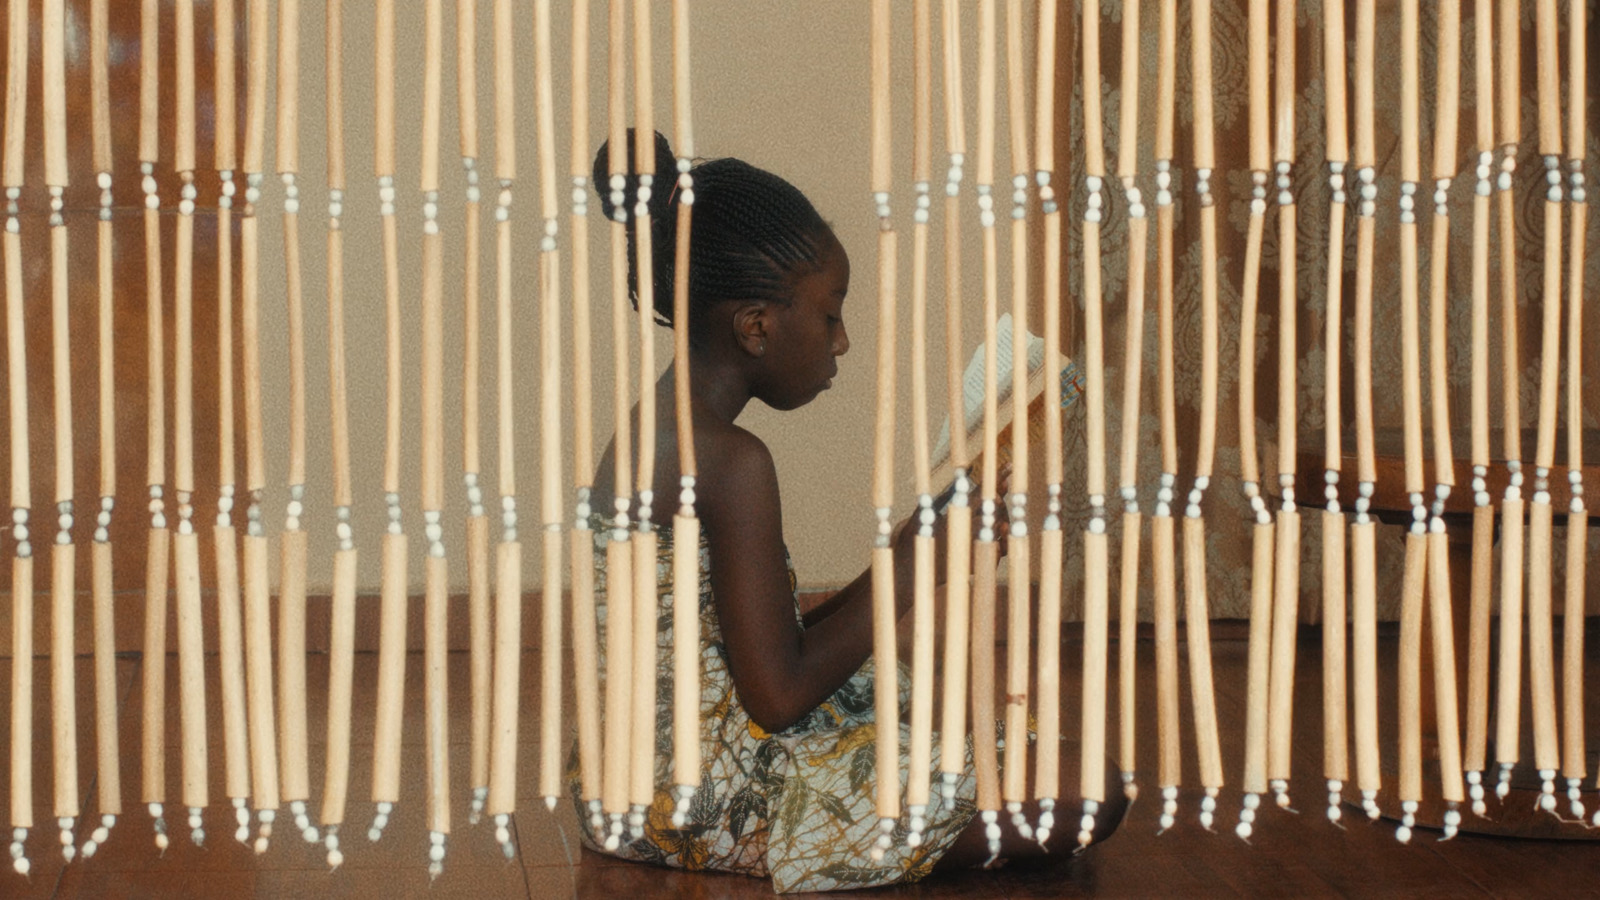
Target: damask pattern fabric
795, 806
1227, 511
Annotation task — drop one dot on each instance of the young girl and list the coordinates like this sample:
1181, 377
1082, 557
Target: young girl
786, 709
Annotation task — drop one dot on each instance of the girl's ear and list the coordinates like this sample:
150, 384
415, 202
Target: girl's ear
752, 325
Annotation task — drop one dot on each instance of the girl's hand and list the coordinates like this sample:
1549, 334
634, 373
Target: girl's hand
903, 539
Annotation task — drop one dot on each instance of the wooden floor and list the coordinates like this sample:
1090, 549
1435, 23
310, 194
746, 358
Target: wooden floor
1292, 855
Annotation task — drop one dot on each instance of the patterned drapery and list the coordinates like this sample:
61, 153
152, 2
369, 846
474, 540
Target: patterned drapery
1227, 513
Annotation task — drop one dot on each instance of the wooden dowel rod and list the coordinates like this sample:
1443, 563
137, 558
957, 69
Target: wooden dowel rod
467, 77
545, 110
1285, 627
293, 734
1133, 370
384, 84
341, 640
1019, 624
1092, 776
985, 559
1249, 459
920, 750
507, 660
1410, 678
436, 686
682, 96
958, 522
1574, 751
1335, 687
1541, 642
1365, 158
1197, 611
230, 625
63, 553
341, 682
1259, 91
955, 139
505, 92
883, 601
1197, 617
391, 672
586, 667
1127, 649
158, 548
1513, 507
957, 619
618, 682
191, 674
108, 758
63, 683
107, 741
505, 657
1259, 660
550, 436
21, 761
551, 730
1286, 570
1446, 701
257, 601
686, 654
225, 126
1096, 554
986, 91
53, 88
1164, 575
22, 693
641, 753
17, 93
1047, 759
880, 52
293, 728
1541, 650
1335, 697
954, 95
256, 66
619, 634
1364, 650
582, 377
154, 707
1480, 618
16, 344
149, 81
1508, 691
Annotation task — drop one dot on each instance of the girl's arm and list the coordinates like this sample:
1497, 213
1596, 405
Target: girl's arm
780, 670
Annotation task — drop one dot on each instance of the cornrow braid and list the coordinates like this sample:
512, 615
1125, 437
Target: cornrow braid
753, 233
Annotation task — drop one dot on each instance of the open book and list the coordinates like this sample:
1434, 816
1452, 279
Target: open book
972, 400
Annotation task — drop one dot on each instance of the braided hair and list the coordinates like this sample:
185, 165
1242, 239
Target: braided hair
752, 233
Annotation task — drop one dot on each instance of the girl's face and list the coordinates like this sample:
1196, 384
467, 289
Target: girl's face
808, 333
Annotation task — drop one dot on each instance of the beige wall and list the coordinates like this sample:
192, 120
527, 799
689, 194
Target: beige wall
783, 86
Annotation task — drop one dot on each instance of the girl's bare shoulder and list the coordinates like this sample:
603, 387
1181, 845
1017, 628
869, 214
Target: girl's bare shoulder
735, 467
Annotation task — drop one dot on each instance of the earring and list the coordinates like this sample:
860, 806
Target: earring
761, 349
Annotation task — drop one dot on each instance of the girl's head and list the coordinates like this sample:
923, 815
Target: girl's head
766, 274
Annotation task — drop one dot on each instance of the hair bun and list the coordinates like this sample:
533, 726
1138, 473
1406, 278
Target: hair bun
666, 168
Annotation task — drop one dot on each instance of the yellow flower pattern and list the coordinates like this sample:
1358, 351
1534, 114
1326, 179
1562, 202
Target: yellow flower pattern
796, 806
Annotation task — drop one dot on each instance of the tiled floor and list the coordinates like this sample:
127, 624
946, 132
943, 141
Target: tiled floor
1291, 855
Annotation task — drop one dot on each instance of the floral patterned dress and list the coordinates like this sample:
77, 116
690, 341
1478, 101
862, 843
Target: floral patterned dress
796, 806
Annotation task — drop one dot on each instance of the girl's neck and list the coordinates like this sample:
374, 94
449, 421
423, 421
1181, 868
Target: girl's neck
722, 390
